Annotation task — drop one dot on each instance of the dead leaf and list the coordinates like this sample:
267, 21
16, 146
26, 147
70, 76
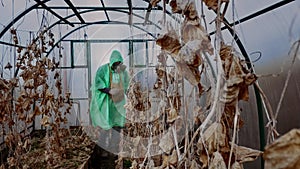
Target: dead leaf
215, 136
45, 120
217, 162
154, 2
134, 165
238, 78
236, 165
191, 74
213, 4
178, 5
169, 41
172, 115
193, 31
190, 11
245, 154
29, 84
11, 161
173, 159
4, 84
190, 53
204, 159
37, 111
166, 142
168, 160
284, 152
194, 165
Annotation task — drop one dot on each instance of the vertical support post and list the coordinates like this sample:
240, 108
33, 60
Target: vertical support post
72, 54
131, 59
89, 65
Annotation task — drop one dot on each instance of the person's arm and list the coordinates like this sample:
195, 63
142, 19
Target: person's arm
100, 79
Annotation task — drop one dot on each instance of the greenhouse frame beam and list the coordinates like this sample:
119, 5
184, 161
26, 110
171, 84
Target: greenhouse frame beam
116, 10
19, 17
265, 10
53, 12
105, 11
36, 6
11, 44
258, 13
75, 10
159, 8
99, 22
102, 8
107, 40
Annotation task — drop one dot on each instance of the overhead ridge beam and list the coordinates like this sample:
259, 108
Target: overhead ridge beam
75, 11
51, 11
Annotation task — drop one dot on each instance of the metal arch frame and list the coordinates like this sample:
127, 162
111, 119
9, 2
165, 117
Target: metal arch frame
19, 17
42, 3
36, 6
99, 22
75, 10
93, 10
88, 24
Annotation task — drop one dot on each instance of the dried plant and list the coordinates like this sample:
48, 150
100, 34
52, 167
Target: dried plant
213, 144
36, 90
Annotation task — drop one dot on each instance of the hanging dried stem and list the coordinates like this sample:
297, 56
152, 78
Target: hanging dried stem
209, 146
29, 95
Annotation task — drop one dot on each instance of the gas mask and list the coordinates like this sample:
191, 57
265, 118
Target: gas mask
118, 67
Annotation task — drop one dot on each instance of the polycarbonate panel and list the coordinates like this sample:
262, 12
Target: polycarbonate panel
80, 53
77, 82
140, 55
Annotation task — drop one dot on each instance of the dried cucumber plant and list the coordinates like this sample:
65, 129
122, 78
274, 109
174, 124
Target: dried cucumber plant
35, 91
208, 138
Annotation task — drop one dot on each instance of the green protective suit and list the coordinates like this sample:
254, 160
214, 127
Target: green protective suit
103, 110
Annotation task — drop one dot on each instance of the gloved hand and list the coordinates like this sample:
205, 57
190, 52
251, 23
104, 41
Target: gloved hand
122, 67
114, 91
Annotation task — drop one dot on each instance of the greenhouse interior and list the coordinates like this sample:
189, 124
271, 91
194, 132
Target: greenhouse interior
150, 84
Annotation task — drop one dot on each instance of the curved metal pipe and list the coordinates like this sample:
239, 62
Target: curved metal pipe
36, 7
88, 24
92, 10
19, 17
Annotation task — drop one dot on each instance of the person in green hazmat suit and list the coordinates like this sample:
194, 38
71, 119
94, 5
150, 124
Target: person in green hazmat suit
108, 94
